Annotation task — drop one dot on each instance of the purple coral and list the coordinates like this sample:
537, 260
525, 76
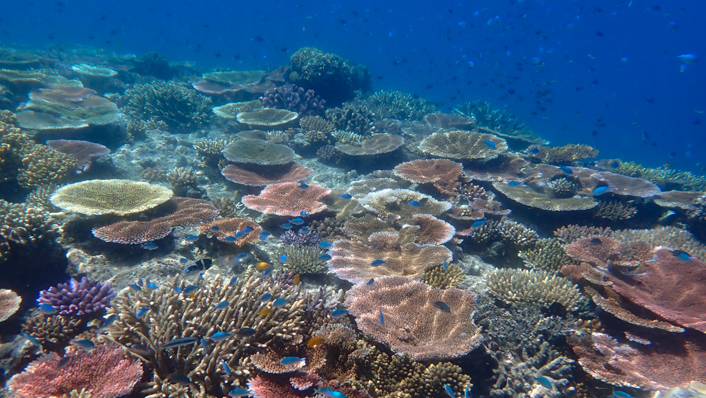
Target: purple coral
77, 297
295, 99
300, 238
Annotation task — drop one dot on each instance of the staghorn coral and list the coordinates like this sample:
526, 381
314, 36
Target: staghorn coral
563, 186
54, 332
153, 174
293, 98
524, 344
303, 259
184, 182
292, 172
211, 148
104, 372
393, 376
353, 118
376, 144
233, 230
77, 297
398, 105
402, 203
258, 152
266, 118
440, 277
312, 124
527, 196
172, 315
352, 261
412, 322
547, 255
463, 145
540, 287
566, 154
83, 151
121, 197
184, 212
228, 207
615, 210
9, 304
288, 199
509, 232
181, 109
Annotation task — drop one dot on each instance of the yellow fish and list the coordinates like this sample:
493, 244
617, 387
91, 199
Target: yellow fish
262, 266
265, 311
314, 341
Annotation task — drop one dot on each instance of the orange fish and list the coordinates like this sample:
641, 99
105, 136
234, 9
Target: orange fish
314, 341
262, 266
265, 311
297, 277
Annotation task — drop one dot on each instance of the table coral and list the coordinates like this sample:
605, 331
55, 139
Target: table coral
258, 152
266, 118
412, 322
463, 145
121, 197
290, 173
376, 144
9, 303
288, 199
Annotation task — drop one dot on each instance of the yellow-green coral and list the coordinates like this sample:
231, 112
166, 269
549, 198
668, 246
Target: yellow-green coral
441, 278
121, 197
548, 255
541, 287
303, 259
667, 179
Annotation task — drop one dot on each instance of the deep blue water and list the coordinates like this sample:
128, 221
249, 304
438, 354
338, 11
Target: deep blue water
604, 73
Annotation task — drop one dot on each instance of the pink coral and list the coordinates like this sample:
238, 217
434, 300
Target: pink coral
288, 199
102, 373
84, 151
432, 231
290, 173
412, 318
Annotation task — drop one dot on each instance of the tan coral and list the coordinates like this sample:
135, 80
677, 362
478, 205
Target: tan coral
9, 303
525, 286
121, 197
412, 318
463, 145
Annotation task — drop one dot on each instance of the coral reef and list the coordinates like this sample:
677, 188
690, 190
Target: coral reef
53, 332
566, 154
667, 179
266, 118
398, 105
293, 98
440, 277
303, 259
181, 109
499, 122
463, 145
615, 210
442, 173
376, 144
184, 212
83, 151
77, 297
671, 237
539, 287
527, 196
415, 319
572, 232
509, 232
24, 227
233, 230
547, 255
9, 303
257, 178
259, 152
288, 199
120, 197
354, 118
66, 108
104, 372
402, 203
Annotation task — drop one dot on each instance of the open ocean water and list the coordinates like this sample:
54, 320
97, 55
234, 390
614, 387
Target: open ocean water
397, 199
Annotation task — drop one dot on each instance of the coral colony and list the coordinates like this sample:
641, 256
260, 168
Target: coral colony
291, 233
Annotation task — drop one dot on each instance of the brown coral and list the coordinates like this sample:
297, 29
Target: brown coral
442, 173
233, 230
265, 176
9, 303
563, 154
414, 319
463, 145
288, 199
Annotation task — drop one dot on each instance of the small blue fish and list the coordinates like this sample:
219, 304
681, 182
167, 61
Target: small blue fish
180, 379
176, 289
47, 309
304, 229
514, 183
214, 228
345, 195
192, 238
203, 344
614, 164
324, 244
264, 235
479, 223
179, 342
141, 313
338, 313
682, 255
446, 265
378, 262
150, 285
600, 190
442, 306
222, 305
280, 302
621, 394
382, 318
490, 144
233, 280
32, 339
245, 332
267, 272
226, 370
566, 169
288, 361
303, 213
330, 393
63, 362
371, 281
544, 382
283, 258
266, 297
183, 260
303, 186
325, 257
373, 247
230, 239
241, 256
220, 336
86, 345
467, 392
297, 221
287, 225
149, 246
109, 321
534, 150
190, 289
449, 391
191, 268
414, 203
238, 392
135, 287
240, 234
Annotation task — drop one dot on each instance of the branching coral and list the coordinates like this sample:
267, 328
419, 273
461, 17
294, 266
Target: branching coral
412, 318
354, 118
398, 105
293, 98
499, 122
540, 287
547, 254
182, 110
25, 227
403, 203
615, 210
77, 297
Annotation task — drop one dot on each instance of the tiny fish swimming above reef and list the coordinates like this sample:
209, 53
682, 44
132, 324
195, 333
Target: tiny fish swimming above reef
449, 391
566, 169
479, 223
266, 297
149, 246
324, 244
47, 309
314, 341
345, 195
682, 255
220, 336
600, 190
288, 361
297, 221
141, 313
303, 186
190, 289
378, 262
222, 305
330, 393
544, 382
86, 345
442, 306
382, 318
280, 302
338, 313
245, 332
490, 144
238, 392
226, 368
192, 238
179, 342
325, 257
